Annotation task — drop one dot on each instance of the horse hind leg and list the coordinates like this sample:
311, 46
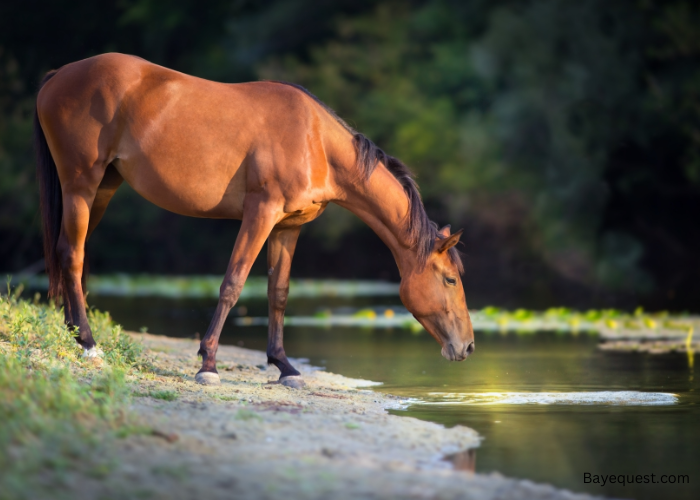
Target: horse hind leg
70, 249
83, 208
75, 231
280, 251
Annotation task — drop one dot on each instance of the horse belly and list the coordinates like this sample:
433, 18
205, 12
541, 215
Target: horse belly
182, 146
201, 188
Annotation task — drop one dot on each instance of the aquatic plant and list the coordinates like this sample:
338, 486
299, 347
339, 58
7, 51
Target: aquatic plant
207, 286
610, 323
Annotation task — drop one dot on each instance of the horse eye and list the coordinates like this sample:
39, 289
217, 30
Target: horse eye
451, 281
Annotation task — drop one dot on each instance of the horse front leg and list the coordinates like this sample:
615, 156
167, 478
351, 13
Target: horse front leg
258, 220
280, 251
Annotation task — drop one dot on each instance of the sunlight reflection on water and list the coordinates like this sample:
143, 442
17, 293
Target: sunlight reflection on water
626, 398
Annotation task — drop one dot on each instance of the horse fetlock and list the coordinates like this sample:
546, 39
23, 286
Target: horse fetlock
86, 344
208, 360
206, 351
83, 335
275, 354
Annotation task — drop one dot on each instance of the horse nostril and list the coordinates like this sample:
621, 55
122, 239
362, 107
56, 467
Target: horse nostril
470, 348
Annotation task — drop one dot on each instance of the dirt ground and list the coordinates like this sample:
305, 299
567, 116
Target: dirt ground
246, 438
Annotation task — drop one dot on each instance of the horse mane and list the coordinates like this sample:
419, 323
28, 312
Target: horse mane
422, 232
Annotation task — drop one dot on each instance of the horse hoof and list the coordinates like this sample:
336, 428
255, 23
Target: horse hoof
207, 378
293, 381
93, 352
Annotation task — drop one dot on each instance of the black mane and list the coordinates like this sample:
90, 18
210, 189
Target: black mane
422, 232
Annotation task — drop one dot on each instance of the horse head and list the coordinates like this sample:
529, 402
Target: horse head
433, 293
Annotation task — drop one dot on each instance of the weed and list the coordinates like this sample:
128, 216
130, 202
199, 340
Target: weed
133, 429
164, 395
245, 414
226, 398
57, 408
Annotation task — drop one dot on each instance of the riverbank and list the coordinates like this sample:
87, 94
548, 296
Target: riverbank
251, 439
134, 424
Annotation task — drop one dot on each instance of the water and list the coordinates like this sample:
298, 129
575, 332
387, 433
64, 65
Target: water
549, 406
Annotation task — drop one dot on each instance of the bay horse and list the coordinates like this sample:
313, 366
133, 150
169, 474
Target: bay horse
268, 153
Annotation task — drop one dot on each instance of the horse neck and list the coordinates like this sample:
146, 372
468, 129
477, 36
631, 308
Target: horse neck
383, 205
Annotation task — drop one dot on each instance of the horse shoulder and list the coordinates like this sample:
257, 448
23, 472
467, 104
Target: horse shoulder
289, 157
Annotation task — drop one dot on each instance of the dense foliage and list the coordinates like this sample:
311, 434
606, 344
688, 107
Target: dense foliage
562, 135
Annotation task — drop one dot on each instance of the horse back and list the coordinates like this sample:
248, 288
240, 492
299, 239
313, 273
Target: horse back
189, 145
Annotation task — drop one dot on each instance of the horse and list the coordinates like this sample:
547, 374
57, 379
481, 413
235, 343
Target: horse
268, 153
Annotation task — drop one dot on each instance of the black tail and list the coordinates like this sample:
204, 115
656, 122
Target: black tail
51, 201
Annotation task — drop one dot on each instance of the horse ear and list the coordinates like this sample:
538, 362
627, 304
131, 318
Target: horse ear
445, 231
442, 245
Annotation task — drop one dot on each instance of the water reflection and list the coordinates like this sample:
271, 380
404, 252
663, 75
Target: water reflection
628, 398
464, 460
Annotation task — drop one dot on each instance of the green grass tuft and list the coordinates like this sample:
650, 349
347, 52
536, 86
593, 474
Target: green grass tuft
164, 395
55, 406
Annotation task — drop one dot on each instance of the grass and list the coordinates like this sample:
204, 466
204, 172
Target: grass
226, 398
164, 395
56, 408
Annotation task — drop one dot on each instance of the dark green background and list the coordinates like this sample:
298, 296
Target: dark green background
563, 136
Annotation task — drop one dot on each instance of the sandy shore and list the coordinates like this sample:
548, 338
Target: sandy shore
250, 439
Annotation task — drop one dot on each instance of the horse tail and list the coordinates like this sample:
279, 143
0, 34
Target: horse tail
51, 200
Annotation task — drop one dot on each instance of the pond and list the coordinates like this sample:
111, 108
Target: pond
510, 391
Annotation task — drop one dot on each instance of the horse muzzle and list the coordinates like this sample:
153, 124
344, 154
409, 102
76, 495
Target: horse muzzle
458, 352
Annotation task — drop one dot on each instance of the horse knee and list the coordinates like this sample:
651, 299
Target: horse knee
278, 297
229, 292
